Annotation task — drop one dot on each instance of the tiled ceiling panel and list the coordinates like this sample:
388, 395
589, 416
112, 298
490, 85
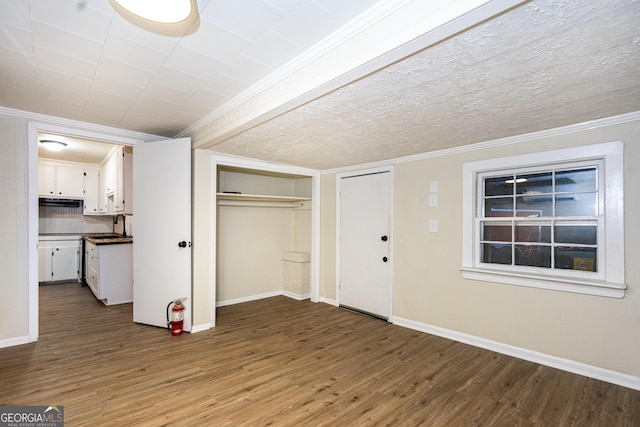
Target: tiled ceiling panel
273, 50
216, 42
256, 19
306, 24
76, 58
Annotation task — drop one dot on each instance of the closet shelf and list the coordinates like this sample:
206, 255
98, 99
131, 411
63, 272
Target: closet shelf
233, 199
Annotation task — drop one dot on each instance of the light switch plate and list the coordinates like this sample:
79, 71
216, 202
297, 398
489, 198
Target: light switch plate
433, 200
433, 186
433, 226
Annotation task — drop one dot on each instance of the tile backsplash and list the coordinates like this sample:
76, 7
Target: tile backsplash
56, 219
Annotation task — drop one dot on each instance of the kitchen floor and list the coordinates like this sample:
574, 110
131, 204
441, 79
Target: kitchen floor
283, 362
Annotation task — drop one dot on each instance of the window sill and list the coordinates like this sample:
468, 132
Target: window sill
611, 290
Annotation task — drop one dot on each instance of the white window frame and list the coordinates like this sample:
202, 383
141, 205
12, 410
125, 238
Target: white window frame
609, 279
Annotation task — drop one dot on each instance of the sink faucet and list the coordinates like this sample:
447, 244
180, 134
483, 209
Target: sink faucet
124, 224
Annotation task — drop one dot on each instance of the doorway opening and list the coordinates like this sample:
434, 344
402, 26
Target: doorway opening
69, 210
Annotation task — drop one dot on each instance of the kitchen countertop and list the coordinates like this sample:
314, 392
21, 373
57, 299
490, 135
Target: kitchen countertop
58, 236
116, 239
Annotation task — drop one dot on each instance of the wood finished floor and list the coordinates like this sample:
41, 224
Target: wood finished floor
283, 362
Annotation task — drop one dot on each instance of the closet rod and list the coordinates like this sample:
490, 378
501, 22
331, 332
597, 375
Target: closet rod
260, 204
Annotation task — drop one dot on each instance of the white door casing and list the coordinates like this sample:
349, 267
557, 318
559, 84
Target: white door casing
364, 242
162, 221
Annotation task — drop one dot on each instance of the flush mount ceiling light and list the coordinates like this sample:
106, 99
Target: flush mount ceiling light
162, 11
52, 145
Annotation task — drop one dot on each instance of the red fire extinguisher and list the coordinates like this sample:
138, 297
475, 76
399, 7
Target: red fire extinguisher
176, 320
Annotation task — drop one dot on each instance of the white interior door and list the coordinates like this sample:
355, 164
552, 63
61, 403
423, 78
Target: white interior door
161, 230
365, 267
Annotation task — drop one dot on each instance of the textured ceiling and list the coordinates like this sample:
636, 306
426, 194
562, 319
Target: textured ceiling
543, 64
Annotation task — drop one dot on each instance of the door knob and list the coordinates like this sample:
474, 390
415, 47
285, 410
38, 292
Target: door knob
182, 244
384, 238
385, 259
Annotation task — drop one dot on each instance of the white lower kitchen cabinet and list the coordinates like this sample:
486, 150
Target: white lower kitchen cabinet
59, 258
109, 272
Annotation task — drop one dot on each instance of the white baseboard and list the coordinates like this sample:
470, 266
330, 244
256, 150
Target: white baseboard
247, 299
262, 296
111, 302
10, 342
572, 366
329, 301
200, 328
296, 296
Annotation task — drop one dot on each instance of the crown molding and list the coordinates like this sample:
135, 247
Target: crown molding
307, 57
119, 135
516, 139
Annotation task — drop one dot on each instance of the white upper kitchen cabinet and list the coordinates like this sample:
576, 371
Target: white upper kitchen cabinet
46, 179
123, 195
110, 174
91, 190
116, 183
60, 180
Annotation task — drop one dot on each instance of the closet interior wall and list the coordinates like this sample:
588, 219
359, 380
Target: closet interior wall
261, 216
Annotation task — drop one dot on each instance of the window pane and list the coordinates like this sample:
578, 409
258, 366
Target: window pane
496, 233
533, 233
496, 254
534, 183
499, 186
576, 180
584, 204
576, 233
500, 206
575, 258
533, 256
534, 205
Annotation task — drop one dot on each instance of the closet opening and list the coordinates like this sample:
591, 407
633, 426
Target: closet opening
264, 230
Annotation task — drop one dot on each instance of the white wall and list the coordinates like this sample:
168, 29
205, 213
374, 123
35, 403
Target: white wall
251, 241
203, 209
428, 285
14, 227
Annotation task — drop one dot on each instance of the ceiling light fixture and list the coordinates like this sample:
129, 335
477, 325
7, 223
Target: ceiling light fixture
162, 11
52, 145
